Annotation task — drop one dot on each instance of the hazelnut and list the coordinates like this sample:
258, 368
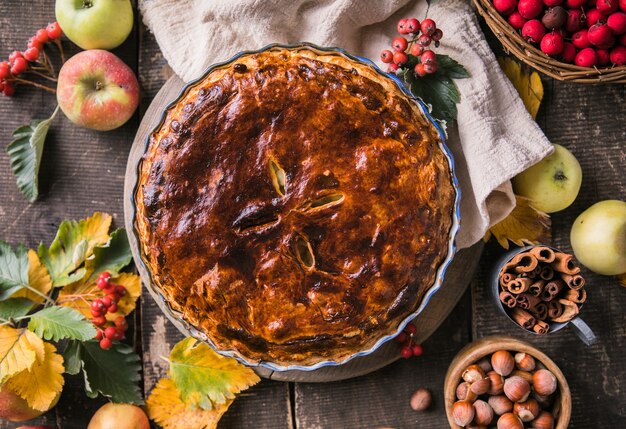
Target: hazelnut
502, 362
525, 362
516, 388
473, 373
485, 364
497, 383
462, 413
544, 382
483, 413
544, 401
481, 386
500, 404
526, 410
524, 374
463, 392
510, 421
421, 399
544, 420
475, 426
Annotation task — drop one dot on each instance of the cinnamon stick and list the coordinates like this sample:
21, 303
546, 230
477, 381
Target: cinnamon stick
527, 301
508, 299
547, 273
540, 311
552, 289
577, 296
564, 263
523, 318
555, 309
536, 288
506, 279
519, 285
575, 281
543, 254
524, 262
541, 327
570, 310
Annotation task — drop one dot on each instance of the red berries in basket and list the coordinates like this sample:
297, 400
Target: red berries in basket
588, 33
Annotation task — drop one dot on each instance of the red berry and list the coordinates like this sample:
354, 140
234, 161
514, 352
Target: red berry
31, 54
5, 71
575, 20
406, 352
120, 322
99, 321
428, 27
99, 334
104, 280
413, 26
420, 70
580, 39
505, 7
120, 290
424, 40
430, 68
417, 350
569, 53
586, 58
617, 23
603, 57
575, 4
19, 66
401, 338
429, 57
402, 26
516, 20
593, 16
410, 329
8, 90
54, 30
618, 55
400, 58
552, 44
607, 7
622, 5
97, 313
552, 3
386, 56
112, 308
113, 297
118, 335
392, 68
105, 344
600, 35
416, 49
530, 9
14, 55
34, 43
533, 31
437, 35
109, 332
106, 302
399, 44
41, 35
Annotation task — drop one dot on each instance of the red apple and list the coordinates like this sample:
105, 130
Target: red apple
97, 90
119, 416
14, 408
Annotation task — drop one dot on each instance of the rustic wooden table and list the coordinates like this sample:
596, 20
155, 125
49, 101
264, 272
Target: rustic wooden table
83, 171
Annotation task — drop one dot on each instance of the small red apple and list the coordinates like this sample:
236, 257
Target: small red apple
97, 90
14, 408
119, 416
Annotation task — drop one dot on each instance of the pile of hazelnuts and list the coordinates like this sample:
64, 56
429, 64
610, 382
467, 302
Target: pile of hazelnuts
511, 391
588, 33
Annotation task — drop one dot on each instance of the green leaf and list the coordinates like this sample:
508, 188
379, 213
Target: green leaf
25, 154
113, 373
449, 67
13, 270
71, 357
204, 378
56, 323
440, 92
111, 257
73, 244
15, 307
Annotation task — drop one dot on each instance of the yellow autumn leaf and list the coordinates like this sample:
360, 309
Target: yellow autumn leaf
38, 278
165, 407
80, 295
528, 84
525, 225
19, 348
40, 384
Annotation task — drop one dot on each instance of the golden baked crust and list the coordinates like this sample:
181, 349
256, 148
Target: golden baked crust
319, 265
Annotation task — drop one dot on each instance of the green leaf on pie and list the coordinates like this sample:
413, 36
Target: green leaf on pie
15, 307
56, 323
25, 154
71, 357
114, 373
13, 269
111, 257
205, 378
73, 244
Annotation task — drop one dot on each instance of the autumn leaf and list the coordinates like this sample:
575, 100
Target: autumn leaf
526, 82
165, 407
72, 245
524, 225
38, 279
19, 349
40, 384
13, 269
80, 295
111, 257
206, 378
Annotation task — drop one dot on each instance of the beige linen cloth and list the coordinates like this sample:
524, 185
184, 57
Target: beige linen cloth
495, 139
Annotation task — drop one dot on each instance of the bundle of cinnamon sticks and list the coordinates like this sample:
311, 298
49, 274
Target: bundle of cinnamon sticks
540, 286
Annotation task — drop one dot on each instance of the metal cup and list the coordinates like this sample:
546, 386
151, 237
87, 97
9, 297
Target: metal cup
581, 329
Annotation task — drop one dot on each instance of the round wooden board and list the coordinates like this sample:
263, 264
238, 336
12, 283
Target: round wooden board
441, 304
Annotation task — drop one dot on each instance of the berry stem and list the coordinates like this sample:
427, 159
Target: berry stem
45, 76
27, 286
60, 46
28, 82
47, 63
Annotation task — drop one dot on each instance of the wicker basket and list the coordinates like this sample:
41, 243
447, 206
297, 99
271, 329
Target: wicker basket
515, 44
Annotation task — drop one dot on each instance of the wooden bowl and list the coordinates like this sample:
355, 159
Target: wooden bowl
562, 408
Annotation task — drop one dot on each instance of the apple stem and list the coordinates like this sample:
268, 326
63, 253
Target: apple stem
29, 82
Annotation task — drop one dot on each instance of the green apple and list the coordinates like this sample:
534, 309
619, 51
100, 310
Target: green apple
553, 183
95, 24
598, 237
